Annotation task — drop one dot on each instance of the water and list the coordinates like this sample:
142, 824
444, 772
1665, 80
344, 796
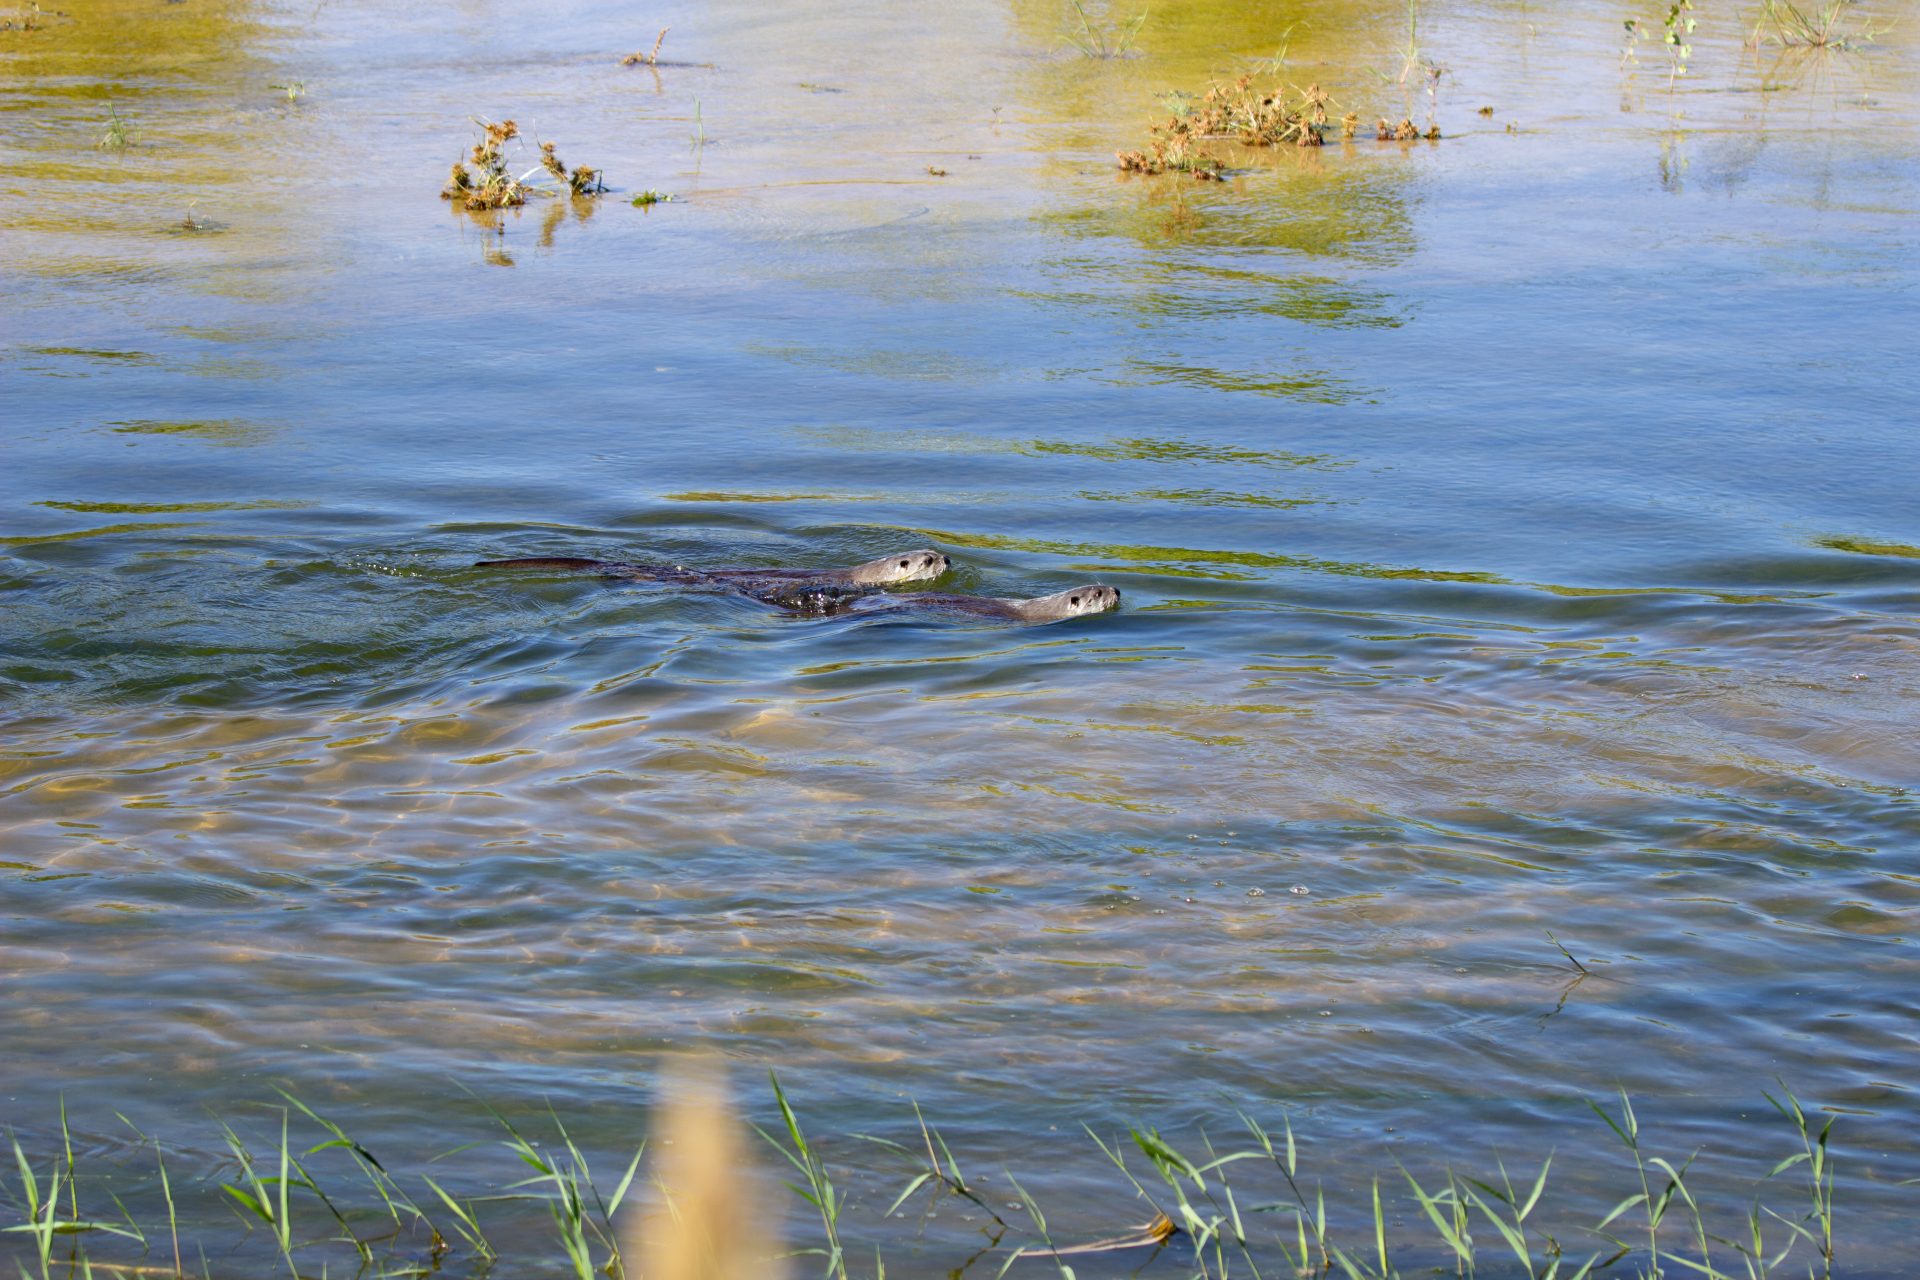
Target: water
1517, 534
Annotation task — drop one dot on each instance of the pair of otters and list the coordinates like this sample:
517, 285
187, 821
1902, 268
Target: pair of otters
854, 590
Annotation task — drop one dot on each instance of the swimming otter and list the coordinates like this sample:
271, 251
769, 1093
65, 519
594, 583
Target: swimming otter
1074, 602
902, 566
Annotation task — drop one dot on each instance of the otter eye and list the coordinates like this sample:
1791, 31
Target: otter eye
905, 564
1074, 600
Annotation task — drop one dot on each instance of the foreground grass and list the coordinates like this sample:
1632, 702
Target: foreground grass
305, 1198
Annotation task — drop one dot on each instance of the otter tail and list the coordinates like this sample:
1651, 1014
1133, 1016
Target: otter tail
606, 568
549, 562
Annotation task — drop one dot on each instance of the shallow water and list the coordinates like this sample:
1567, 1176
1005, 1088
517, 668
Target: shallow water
1517, 534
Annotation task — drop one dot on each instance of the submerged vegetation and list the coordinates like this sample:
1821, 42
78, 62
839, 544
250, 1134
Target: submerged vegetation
490, 184
316, 1195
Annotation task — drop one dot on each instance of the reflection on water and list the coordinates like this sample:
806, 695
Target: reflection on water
1516, 531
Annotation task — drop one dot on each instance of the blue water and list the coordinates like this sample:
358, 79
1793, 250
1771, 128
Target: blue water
1516, 533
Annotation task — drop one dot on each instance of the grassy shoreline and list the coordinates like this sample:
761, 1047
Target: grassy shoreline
301, 1196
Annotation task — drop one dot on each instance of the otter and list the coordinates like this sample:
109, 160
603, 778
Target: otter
902, 566
829, 599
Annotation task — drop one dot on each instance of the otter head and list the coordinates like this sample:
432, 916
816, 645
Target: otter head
1072, 603
902, 566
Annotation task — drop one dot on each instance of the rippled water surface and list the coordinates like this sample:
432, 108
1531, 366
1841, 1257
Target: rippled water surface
1518, 534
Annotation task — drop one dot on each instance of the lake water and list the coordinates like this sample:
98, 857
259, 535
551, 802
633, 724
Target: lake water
1518, 534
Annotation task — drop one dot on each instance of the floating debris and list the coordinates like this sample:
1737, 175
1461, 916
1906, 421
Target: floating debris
1300, 889
1256, 893
938, 173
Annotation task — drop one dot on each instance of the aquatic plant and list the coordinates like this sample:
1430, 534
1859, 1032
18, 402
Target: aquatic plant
292, 88
650, 58
1676, 36
1235, 111
1271, 66
819, 1191
318, 1199
580, 181
1094, 39
650, 197
118, 132
1817, 27
489, 184
1433, 71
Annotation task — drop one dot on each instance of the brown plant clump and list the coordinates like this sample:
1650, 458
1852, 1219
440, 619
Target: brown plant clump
1234, 112
650, 58
581, 181
1405, 131
489, 184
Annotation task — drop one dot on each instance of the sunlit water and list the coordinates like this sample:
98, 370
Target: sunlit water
1517, 534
